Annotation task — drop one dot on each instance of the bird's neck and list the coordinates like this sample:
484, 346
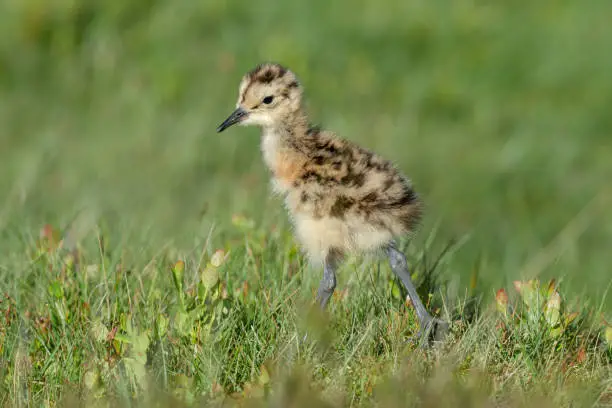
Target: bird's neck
278, 141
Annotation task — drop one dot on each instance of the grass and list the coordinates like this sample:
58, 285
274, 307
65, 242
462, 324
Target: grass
498, 112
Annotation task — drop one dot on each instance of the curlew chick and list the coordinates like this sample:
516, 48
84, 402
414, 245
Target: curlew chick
341, 198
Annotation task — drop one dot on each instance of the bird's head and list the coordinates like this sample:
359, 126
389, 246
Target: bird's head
268, 95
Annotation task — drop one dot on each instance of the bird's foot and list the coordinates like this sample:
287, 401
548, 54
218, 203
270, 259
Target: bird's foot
432, 330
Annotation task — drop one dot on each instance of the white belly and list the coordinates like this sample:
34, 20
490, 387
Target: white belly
319, 236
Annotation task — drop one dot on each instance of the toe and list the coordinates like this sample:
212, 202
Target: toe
440, 330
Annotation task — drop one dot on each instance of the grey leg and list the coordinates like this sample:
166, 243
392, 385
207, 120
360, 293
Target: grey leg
428, 324
328, 282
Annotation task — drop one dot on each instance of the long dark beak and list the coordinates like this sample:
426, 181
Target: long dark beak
236, 116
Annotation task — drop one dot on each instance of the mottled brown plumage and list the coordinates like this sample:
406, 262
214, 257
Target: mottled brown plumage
341, 197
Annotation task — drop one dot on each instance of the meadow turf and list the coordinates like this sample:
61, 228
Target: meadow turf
500, 113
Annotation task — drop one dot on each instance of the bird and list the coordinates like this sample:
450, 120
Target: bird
342, 198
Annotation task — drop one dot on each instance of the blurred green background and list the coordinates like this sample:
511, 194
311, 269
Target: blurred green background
500, 112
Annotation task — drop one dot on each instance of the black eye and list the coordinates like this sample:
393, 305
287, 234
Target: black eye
268, 100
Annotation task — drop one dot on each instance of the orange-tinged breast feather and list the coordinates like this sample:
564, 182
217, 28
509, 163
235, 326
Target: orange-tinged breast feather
288, 168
